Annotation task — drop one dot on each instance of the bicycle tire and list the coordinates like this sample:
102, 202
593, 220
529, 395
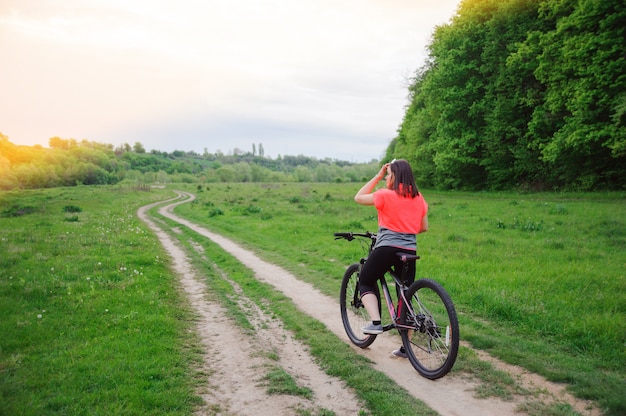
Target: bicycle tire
353, 313
433, 345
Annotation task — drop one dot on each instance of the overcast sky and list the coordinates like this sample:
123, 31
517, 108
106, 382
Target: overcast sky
317, 78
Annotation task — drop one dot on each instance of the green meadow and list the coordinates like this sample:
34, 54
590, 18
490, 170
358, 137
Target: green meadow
539, 279
93, 322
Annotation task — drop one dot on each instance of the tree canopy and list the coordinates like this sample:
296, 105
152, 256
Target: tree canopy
521, 93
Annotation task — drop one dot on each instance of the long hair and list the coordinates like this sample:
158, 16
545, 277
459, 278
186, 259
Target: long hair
403, 180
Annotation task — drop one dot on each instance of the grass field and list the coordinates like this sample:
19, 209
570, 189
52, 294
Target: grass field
93, 324
91, 320
540, 279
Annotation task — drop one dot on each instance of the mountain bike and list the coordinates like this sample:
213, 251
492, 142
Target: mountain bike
424, 313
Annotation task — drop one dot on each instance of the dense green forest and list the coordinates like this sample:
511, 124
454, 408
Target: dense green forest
68, 162
515, 94
521, 93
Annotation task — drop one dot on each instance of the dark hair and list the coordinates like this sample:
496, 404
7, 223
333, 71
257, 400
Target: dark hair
403, 180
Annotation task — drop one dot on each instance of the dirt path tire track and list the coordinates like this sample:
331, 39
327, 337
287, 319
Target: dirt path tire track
235, 364
449, 396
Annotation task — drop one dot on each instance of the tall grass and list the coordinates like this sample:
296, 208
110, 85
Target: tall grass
91, 320
538, 278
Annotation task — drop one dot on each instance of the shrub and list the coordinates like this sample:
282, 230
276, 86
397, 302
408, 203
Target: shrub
17, 211
215, 211
251, 209
72, 208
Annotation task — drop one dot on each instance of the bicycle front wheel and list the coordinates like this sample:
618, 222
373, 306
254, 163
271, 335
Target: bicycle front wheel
353, 313
433, 345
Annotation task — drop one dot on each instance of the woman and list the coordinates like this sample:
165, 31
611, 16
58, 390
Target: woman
401, 216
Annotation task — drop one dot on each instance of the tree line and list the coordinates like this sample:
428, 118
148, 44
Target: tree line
515, 94
521, 94
68, 162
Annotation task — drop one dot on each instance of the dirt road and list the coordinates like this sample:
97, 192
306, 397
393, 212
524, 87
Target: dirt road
236, 385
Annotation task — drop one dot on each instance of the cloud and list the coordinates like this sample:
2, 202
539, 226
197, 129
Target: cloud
115, 70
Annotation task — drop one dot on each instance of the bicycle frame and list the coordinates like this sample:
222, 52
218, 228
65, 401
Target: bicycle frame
394, 314
391, 307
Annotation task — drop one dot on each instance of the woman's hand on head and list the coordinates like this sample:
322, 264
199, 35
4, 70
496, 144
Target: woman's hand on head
383, 171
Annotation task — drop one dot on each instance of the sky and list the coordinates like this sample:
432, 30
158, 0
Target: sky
319, 78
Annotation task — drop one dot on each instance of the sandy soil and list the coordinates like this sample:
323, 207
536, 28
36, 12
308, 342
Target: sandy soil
235, 362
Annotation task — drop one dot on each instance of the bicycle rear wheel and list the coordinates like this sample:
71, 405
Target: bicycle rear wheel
353, 313
433, 345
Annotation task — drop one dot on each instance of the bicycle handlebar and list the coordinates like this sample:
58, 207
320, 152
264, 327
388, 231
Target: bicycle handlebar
350, 236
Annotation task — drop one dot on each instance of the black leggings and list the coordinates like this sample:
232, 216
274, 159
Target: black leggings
379, 261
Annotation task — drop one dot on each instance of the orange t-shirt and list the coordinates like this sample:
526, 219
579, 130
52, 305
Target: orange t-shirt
400, 214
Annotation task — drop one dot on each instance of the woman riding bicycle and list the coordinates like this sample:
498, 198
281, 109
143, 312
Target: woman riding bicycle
402, 214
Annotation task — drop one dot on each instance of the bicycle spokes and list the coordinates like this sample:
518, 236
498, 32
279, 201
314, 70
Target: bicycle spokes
353, 313
356, 299
432, 345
